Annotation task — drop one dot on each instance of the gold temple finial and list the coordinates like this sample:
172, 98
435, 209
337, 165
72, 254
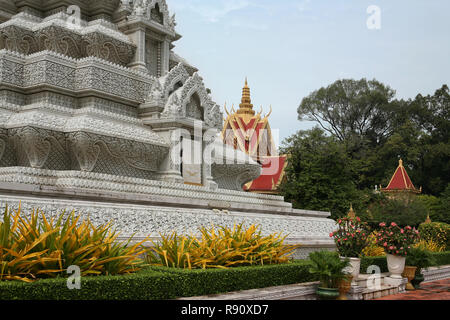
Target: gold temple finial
351, 213
400, 162
246, 106
428, 219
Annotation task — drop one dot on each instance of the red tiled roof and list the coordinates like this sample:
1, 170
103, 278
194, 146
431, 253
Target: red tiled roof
400, 181
273, 169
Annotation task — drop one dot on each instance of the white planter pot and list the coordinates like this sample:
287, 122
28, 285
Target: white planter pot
396, 266
353, 269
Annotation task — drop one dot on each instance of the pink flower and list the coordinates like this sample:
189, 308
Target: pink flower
331, 235
385, 244
402, 231
382, 224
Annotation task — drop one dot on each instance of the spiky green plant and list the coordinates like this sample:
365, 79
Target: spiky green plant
36, 247
220, 247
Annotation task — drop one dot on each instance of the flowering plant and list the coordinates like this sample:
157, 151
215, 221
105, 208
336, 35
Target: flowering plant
352, 237
396, 240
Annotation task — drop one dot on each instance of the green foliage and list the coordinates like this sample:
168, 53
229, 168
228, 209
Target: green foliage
403, 211
329, 267
220, 247
381, 262
442, 213
351, 237
318, 175
396, 240
144, 285
437, 259
433, 207
37, 247
419, 258
350, 109
437, 231
362, 131
158, 283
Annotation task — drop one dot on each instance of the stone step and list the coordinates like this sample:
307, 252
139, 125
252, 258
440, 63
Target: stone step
362, 279
383, 291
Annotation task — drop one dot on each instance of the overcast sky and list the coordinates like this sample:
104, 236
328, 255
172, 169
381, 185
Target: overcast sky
289, 48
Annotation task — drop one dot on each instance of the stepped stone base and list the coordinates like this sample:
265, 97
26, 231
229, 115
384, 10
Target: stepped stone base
163, 208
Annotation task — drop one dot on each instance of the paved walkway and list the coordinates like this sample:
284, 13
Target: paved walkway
438, 290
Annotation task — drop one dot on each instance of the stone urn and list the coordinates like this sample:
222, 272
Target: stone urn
344, 287
396, 266
410, 273
353, 269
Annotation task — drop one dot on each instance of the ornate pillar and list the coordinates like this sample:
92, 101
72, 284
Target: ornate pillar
170, 170
209, 139
138, 38
165, 55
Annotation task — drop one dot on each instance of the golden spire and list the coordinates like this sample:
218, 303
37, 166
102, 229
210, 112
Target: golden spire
351, 213
428, 219
246, 106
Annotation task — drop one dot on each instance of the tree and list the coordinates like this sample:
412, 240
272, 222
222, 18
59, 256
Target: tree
352, 111
318, 175
402, 211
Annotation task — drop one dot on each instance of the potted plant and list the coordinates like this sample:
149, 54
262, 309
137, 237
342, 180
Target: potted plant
351, 238
329, 267
396, 241
420, 259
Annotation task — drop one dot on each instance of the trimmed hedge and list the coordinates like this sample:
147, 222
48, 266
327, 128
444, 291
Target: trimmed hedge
214, 281
160, 283
441, 259
144, 285
371, 261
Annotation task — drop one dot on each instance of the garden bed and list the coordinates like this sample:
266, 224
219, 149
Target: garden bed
157, 283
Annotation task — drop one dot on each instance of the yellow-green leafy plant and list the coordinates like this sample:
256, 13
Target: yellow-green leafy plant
37, 247
429, 245
220, 247
373, 249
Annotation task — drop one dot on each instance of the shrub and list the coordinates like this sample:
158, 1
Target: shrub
161, 283
351, 237
220, 248
439, 259
429, 245
373, 249
403, 212
396, 240
35, 247
437, 232
329, 267
420, 258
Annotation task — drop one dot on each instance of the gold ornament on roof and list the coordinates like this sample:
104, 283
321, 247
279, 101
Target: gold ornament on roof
246, 106
351, 213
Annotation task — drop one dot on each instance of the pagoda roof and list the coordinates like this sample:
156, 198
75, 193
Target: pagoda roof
273, 172
252, 134
400, 181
